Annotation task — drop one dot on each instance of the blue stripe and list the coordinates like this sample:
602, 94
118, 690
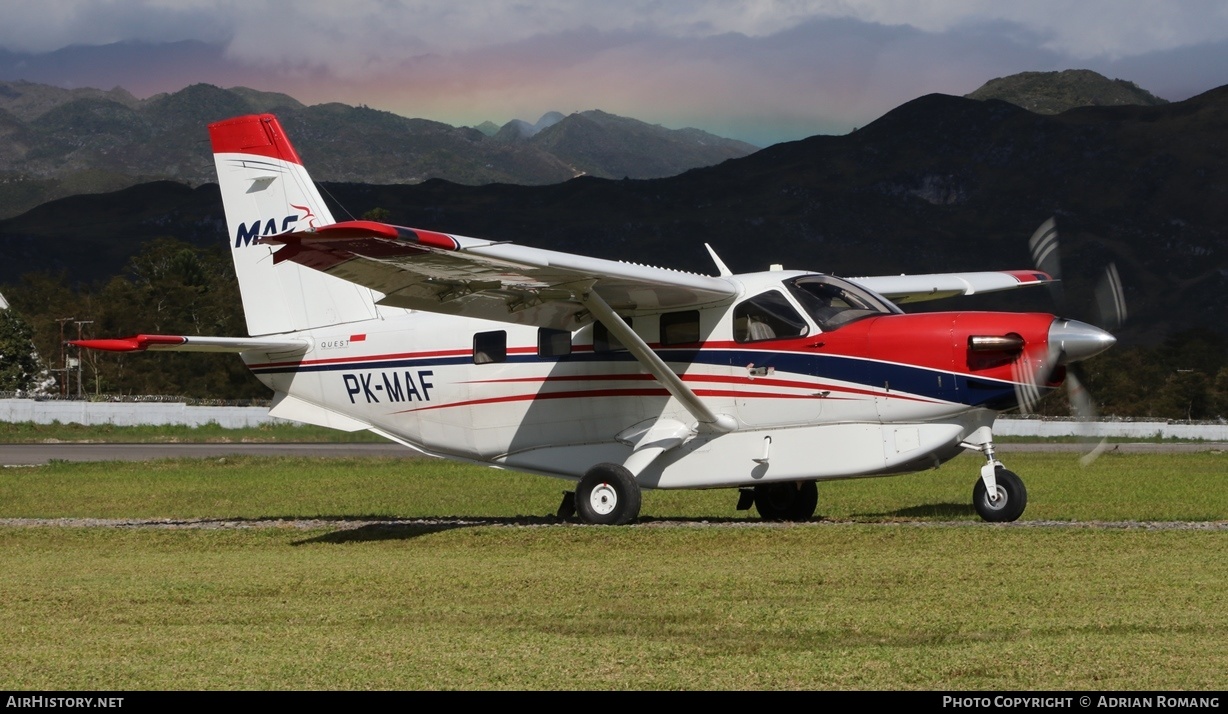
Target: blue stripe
921, 381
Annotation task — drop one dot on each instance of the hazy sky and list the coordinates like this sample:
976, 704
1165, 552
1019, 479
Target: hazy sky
756, 70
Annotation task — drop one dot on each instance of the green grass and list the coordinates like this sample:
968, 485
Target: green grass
1165, 487
802, 607
863, 598
31, 433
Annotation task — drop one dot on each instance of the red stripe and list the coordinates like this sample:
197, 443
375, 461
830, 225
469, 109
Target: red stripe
655, 392
756, 382
546, 395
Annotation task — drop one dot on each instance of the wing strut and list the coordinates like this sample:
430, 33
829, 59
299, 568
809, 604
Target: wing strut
656, 366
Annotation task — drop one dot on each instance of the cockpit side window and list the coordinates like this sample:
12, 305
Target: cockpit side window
834, 303
767, 316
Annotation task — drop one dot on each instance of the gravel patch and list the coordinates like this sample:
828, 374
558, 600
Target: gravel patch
306, 524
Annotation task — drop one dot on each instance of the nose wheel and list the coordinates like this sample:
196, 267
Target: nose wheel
1008, 501
999, 495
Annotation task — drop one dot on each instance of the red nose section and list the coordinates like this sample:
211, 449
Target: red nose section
992, 348
985, 344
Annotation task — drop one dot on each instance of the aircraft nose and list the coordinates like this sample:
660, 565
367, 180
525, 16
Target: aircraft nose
1072, 341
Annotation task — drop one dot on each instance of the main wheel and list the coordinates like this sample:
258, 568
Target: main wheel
608, 495
1012, 498
787, 501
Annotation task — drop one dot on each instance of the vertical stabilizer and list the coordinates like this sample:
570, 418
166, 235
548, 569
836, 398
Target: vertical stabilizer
266, 191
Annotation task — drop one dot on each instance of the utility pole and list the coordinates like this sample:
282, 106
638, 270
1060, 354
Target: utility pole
80, 324
63, 370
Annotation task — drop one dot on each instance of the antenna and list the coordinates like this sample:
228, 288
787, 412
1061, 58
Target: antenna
722, 269
63, 370
335, 201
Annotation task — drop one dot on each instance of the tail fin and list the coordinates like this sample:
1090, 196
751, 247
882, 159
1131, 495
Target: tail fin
266, 191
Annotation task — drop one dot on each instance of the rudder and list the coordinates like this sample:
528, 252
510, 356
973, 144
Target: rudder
265, 191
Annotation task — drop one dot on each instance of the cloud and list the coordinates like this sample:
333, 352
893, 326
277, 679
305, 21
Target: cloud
50, 25
757, 70
325, 33
823, 76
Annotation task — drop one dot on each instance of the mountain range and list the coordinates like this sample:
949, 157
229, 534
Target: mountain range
57, 142
941, 183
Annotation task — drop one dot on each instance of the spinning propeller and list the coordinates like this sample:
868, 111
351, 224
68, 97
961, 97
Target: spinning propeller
1070, 340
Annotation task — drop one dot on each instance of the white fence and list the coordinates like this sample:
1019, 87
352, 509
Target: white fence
137, 413
1127, 429
131, 413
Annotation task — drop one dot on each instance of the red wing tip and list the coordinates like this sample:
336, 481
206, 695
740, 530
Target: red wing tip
375, 229
358, 229
1030, 276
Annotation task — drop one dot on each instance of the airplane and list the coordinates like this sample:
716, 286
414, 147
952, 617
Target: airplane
616, 376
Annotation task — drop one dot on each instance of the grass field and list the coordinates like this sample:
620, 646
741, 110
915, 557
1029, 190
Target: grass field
895, 586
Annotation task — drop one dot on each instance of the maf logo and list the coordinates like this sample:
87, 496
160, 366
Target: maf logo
246, 235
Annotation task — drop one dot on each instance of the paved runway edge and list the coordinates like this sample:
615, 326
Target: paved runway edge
35, 454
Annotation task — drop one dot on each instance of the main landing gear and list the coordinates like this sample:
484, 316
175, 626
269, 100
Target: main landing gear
999, 495
783, 501
607, 495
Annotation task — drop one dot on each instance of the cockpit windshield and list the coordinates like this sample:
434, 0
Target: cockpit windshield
833, 302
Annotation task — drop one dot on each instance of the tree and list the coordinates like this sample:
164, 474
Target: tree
1219, 394
169, 287
20, 370
1185, 394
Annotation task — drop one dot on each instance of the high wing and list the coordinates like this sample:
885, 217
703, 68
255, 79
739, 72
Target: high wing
917, 288
438, 272
184, 343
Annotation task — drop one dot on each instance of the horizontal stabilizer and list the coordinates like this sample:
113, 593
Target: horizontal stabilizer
183, 343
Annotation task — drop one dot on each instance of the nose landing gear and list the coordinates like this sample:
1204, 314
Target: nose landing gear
999, 495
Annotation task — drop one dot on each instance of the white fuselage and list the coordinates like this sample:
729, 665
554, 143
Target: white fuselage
425, 380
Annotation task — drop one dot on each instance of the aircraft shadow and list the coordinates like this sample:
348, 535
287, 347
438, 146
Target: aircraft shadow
380, 528
928, 510
405, 529
386, 528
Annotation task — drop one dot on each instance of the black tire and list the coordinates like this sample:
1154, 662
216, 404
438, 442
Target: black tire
1013, 498
608, 495
787, 501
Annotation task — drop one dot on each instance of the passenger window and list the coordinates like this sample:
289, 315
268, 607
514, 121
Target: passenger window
553, 343
767, 316
680, 328
489, 347
603, 341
